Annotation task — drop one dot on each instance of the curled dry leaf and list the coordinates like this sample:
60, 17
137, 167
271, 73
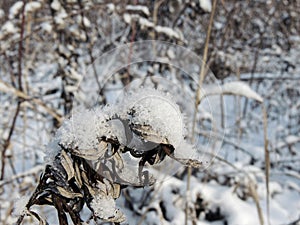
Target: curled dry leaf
77, 175
68, 194
92, 154
147, 133
67, 164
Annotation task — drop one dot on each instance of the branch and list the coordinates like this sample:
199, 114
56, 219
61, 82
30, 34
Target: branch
12, 128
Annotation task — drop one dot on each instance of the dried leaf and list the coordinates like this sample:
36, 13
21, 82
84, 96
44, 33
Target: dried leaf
92, 154
42, 221
67, 164
87, 184
116, 191
78, 175
102, 188
148, 133
118, 161
68, 194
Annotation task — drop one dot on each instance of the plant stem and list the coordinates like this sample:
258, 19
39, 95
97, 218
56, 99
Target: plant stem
12, 128
198, 99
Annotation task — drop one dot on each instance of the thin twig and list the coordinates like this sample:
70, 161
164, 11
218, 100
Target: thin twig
267, 160
36, 101
92, 59
12, 128
198, 96
203, 66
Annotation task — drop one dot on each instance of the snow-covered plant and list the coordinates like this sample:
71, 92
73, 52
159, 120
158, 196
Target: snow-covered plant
98, 152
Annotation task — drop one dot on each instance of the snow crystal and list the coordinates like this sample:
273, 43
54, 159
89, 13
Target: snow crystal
158, 110
15, 9
149, 111
82, 130
104, 206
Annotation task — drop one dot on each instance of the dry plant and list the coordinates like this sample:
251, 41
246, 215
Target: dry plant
93, 177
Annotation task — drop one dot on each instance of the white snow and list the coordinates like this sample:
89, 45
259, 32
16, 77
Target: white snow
60, 17
158, 110
32, 6
232, 88
9, 28
127, 18
86, 22
145, 23
15, 9
141, 8
292, 139
110, 7
83, 129
2, 13
46, 26
169, 32
205, 5
56, 5
104, 206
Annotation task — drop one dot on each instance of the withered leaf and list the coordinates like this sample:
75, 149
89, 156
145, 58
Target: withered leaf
116, 191
102, 188
92, 154
189, 162
42, 221
91, 190
118, 161
78, 175
149, 134
68, 194
185, 161
67, 164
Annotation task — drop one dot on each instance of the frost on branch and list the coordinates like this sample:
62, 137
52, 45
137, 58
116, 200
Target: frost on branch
98, 152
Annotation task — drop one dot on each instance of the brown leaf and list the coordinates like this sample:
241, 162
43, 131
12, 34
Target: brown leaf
78, 176
67, 164
118, 161
92, 154
149, 134
116, 191
68, 194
